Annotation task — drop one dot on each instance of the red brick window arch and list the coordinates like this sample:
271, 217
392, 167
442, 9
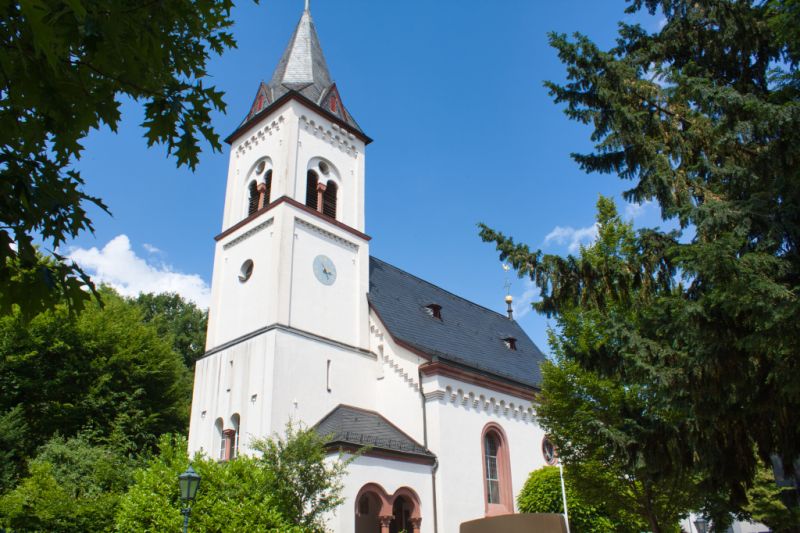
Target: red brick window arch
498, 495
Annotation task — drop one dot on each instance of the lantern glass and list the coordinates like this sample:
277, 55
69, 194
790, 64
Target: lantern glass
702, 525
189, 481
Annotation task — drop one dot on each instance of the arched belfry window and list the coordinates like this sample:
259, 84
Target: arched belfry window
268, 187
496, 471
311, 189
329, 199
252, 201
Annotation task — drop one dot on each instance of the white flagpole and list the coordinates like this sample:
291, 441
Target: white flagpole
563, 494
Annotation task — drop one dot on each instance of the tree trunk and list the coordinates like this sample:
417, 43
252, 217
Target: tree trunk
655, 527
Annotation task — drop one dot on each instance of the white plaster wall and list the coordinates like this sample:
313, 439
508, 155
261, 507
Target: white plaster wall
737, 527
398, 399
240, 308
457, 413
334, 311
300, 389
236, 380
391, 475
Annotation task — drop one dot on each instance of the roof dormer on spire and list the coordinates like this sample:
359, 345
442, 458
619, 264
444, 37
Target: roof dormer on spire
302, 69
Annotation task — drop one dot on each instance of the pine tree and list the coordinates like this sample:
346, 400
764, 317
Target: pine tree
704, 118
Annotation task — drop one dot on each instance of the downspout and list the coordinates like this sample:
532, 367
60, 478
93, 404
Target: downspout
436, 460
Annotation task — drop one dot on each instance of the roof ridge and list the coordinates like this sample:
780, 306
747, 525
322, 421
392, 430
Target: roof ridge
447, 291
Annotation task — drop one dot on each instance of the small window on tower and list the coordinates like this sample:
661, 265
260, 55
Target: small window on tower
311, 189
252, 201
245, 271
434, 310
329, 199
510, 342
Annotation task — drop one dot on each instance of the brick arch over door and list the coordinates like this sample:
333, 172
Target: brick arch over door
375, 510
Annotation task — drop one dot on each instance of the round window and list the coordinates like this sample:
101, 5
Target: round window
549, 452
260, 167
246, 270
324, 168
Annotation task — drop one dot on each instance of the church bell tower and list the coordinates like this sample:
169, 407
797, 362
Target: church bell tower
291, 262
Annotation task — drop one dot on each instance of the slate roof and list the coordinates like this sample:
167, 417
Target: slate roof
468, 334
359, 427
302, 69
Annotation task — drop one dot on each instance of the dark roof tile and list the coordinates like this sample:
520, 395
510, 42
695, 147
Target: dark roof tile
468, 334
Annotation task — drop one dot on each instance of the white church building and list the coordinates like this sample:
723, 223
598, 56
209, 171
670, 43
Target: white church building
305, 325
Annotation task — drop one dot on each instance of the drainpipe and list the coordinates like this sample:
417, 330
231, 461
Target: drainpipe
435, 461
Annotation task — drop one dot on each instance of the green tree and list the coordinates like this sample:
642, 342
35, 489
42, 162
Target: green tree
287, 489
606, 426
304, 485
180, 320
704, 117
102, 372
65, 66
773, 506
71, 485
542, 494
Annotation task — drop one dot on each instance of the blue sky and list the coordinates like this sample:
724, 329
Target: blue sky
464, 132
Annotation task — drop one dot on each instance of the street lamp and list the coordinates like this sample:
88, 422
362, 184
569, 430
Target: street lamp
188, 482
701, 524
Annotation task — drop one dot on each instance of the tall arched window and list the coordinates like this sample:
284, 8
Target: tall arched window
311, 189
235, 421
329, 199
496, 471
268, 189
252, 201
219, 439
490, 447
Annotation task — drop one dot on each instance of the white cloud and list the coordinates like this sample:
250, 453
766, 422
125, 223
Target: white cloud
572, 237
117, 265
150, 249
522, 303
634, 210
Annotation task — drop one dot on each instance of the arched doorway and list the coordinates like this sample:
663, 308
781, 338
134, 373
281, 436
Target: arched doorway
368, 509
377, 512
401, 516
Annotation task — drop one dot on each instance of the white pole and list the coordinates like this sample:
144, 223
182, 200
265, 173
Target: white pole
563, 494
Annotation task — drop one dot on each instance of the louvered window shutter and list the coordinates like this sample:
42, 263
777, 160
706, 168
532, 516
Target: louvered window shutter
311, 190
329, 200
252, 204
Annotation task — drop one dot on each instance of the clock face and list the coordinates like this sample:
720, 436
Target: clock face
324, 269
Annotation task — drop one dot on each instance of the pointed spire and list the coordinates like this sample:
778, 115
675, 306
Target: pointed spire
302, 67
303, 70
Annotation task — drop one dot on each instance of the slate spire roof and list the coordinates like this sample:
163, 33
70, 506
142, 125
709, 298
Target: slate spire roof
302, 69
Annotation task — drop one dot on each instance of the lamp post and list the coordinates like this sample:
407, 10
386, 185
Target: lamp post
701, 524
188, 482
